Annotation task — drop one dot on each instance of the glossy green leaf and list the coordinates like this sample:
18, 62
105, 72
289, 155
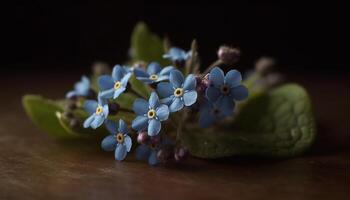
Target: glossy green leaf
279, 123
140, 87
43, 113
146, 46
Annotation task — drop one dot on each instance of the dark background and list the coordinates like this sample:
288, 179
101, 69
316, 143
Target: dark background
42, 35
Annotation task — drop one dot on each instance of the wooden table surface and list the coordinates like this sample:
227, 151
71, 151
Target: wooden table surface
35, 166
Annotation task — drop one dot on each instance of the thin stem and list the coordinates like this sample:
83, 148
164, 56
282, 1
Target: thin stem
190, 64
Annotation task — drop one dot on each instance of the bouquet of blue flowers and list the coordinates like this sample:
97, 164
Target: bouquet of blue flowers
162, 105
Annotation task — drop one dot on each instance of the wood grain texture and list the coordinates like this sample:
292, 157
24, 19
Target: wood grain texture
34, 166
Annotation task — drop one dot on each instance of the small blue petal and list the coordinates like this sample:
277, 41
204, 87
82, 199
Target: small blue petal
71, 94
162, 78
162, 112
153, 100
233, 78
166, 70
107, 94
216, 77
226, 105
142, 152
81, 88
176, 105
139, 123
123, 128
120, 152
101, 101
88, 121
153, 68
90, 106
140, 106
165, 89
140, 73
213, 93
190, 97
176, 78
109, 143
152, 160
111, 126
239, 93
105, 110
168, 100
190, 82
98, 121
128, 142
145, 80
105, 82
125, 79
118, 92
154, 127
118, 73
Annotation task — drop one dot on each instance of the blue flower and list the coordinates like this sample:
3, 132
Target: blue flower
210, 112
177, 55
119, 141
153, 74
225, 89
147, 152
149, 114
81, 88
150, 150
98, 112
178, 92
114, 85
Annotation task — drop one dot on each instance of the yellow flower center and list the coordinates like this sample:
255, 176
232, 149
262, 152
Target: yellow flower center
151, 113
119, 137
225, 89
178, 92
99, 110
153, 77
117, 85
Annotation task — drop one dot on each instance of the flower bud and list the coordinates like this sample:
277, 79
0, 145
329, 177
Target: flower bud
228, 55
100, 68
264, 65
71, 104
180, 154
74, 123
142, 137
202, 83
165, 154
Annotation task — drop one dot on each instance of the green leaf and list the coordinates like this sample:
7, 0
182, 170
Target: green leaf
279, 123
146, 46
42, 113
141, 88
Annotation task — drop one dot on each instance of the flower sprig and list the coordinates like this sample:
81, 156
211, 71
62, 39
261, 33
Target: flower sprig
175, 101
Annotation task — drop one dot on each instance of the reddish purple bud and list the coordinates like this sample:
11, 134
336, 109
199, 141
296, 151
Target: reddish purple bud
228, 55
100, 68
142, 137
202, 83
180, 154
